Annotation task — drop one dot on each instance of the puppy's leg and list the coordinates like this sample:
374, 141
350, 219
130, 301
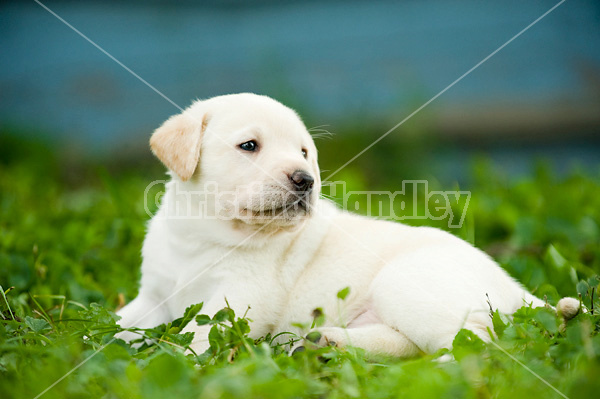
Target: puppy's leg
429, 296
200, 342
142, 312
373, 338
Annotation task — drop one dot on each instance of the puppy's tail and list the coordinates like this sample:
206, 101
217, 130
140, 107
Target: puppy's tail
567, 308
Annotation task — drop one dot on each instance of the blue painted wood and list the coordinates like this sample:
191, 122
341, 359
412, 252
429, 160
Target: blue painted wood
332, 60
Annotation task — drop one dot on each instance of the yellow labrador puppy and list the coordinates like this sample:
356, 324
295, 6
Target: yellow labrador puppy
242, 220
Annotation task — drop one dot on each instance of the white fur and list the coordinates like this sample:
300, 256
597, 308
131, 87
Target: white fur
412, 288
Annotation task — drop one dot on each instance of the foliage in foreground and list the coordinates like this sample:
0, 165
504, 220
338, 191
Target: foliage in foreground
68, 248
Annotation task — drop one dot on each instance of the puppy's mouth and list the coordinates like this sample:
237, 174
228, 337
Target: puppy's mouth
297, 208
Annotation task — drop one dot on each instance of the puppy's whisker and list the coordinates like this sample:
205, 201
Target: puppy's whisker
327, 183
318, 132
318, 136
327, 196
318, 127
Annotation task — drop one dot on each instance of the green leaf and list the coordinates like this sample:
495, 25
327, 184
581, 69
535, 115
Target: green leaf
342, 294
547, 320
499, 325
301, 326
165, 371
99, 314
203, 319
243, 326
182, 339
313, 336
215, 339
582, 288
188, 316
466, 342
36, 325
349, 381
318, 318
523, 314
555, 257
6, 301
225, 314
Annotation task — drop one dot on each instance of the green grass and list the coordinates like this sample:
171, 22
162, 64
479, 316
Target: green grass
70, 239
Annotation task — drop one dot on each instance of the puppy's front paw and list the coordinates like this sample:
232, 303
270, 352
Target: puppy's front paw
323, 337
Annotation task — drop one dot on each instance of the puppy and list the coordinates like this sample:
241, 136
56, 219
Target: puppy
242, 221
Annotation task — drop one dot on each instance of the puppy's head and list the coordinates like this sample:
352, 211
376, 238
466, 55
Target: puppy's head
254, 153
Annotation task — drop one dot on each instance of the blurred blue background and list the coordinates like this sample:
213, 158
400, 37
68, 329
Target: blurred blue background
358, 67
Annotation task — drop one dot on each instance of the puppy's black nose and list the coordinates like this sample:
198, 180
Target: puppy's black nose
302, 181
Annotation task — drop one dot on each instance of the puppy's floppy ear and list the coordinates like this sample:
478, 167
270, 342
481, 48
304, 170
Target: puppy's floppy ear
177, 143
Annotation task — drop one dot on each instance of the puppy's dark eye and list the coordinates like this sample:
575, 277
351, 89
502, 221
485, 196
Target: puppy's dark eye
249, 146
304, 153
